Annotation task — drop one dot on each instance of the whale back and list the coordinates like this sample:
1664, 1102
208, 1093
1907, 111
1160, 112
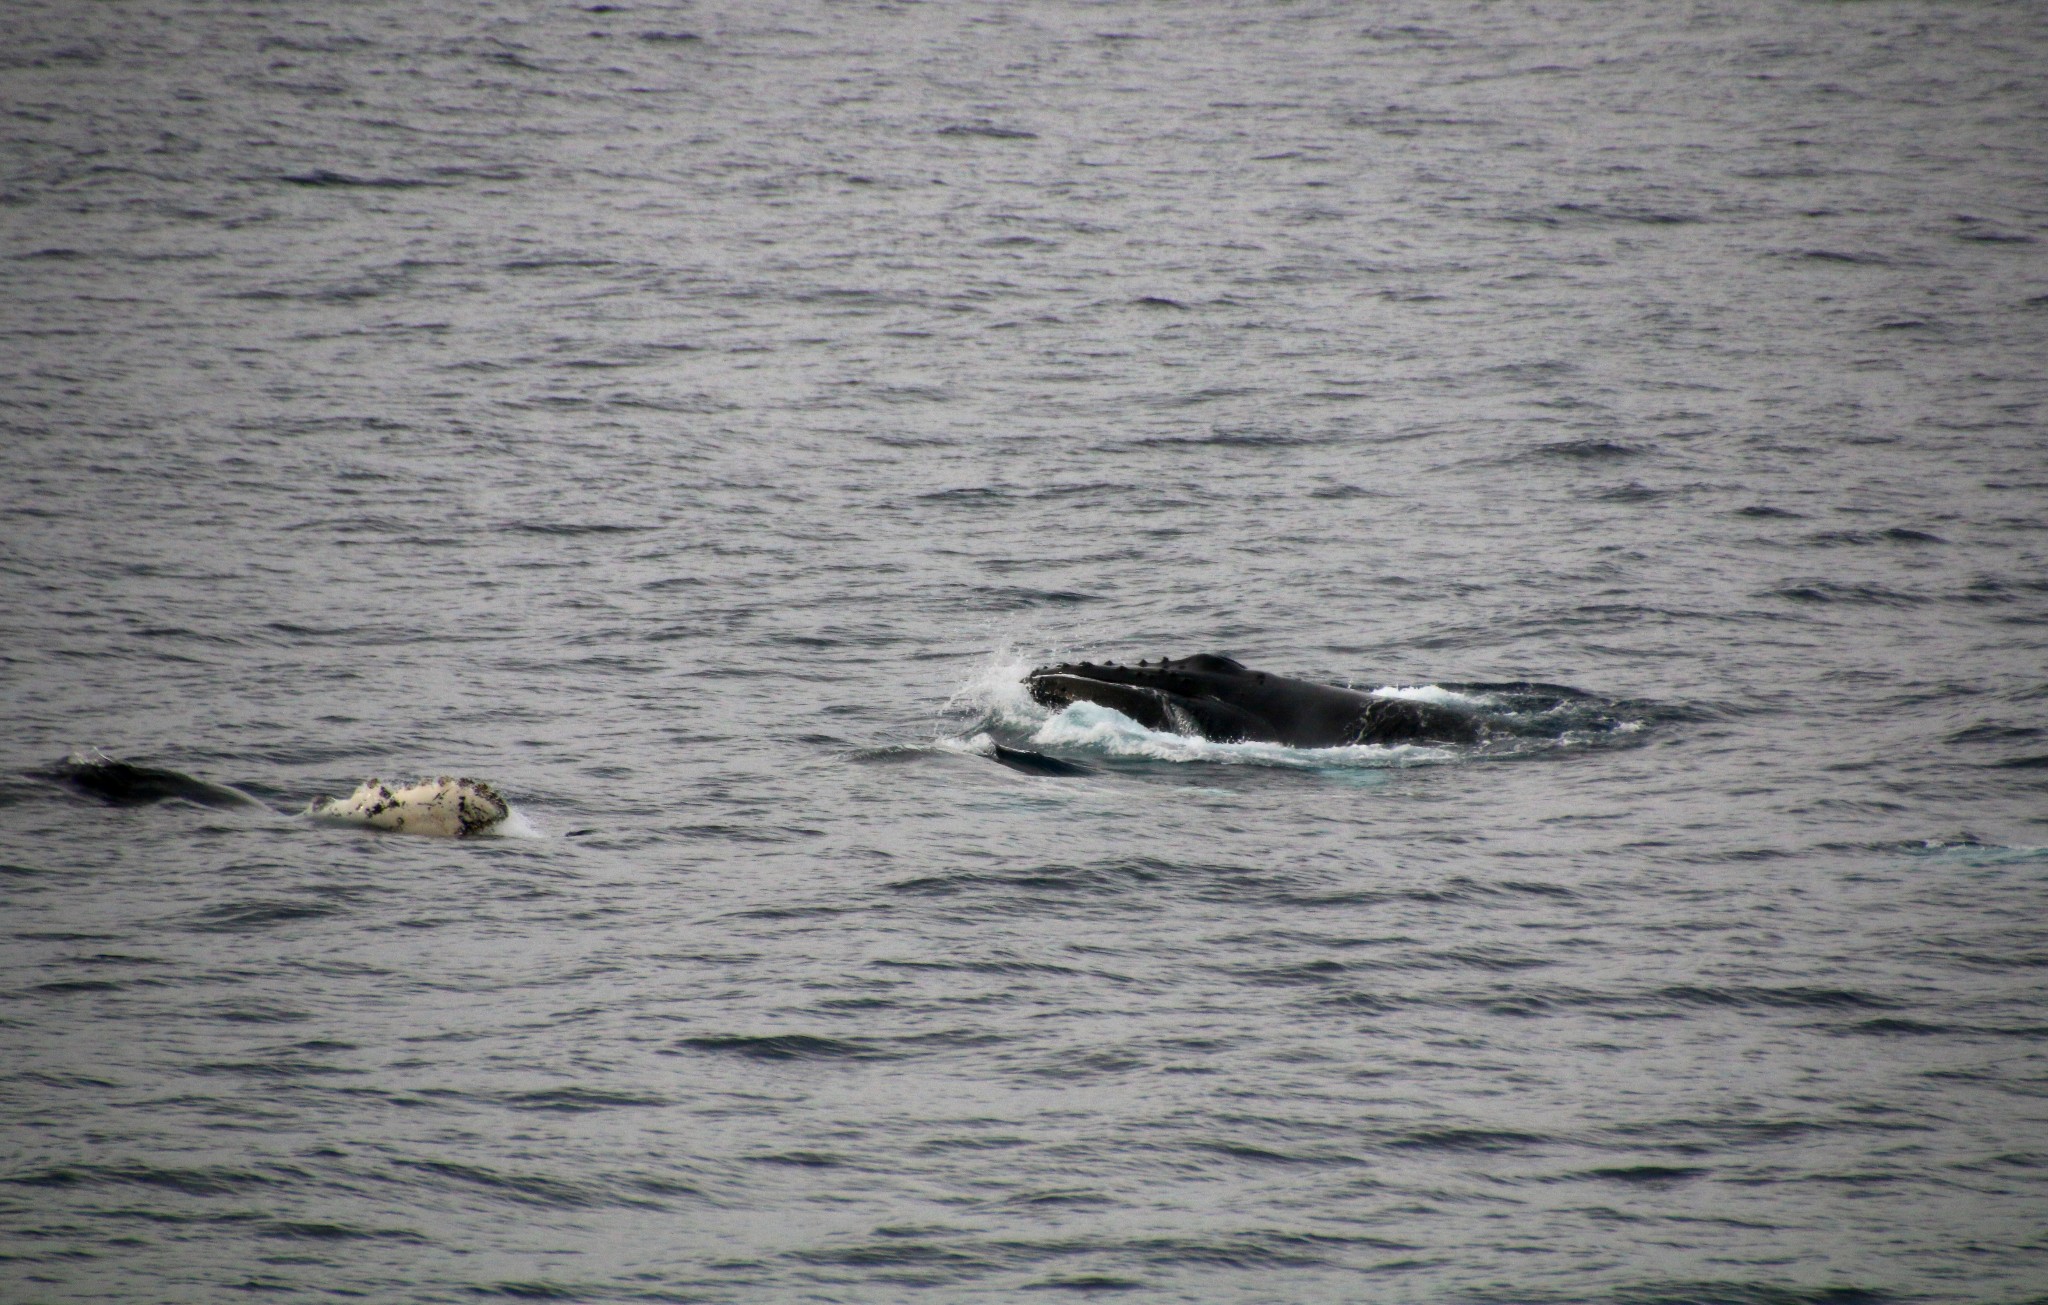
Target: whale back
127, 784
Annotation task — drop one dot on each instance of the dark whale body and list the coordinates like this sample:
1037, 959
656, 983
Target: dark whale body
1215, 698
125, 784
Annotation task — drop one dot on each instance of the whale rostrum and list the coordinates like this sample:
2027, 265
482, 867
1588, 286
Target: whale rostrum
1213, 697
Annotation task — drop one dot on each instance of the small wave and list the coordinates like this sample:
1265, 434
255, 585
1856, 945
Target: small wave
568, 529
244, 917
534, 1289
1972, 851
1894, 1026
1266, 1155
575, 1100
1466, 1139
329, 177
1247, 438
281, 1069
202, 1181
545, 1189
785, 1046
1894, 535
1831, 591
1086, 1282
991, 130
799, 1159
1741, 996
1588, 450
1861, 257
298, 1230
1624, 213
1658, 1175
1061, 883
1003, 598
1994, 732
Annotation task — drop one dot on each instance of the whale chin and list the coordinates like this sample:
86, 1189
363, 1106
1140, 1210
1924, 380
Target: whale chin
438, 808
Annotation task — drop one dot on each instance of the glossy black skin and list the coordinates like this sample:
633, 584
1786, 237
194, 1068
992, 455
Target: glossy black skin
125, 784
1218, 699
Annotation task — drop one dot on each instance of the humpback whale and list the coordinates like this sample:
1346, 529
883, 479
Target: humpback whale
444, 807
1213, 697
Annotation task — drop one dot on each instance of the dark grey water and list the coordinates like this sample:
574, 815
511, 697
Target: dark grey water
694, 419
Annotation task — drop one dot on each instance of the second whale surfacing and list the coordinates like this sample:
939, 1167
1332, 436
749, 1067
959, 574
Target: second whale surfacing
1215, 698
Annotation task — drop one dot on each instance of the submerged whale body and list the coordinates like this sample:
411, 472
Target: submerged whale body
125, 784
1212, 697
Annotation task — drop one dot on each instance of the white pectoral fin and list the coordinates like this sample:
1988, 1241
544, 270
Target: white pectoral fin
440, 808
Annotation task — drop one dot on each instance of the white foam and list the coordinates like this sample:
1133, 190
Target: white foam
975, 745
514, 825
1430, 693
997, 688
1103, 730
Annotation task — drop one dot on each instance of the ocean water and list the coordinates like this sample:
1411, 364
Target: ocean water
695, 419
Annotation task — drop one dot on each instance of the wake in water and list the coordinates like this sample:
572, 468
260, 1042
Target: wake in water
1016, 722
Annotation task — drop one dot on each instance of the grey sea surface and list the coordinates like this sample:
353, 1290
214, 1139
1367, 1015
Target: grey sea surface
695, 419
